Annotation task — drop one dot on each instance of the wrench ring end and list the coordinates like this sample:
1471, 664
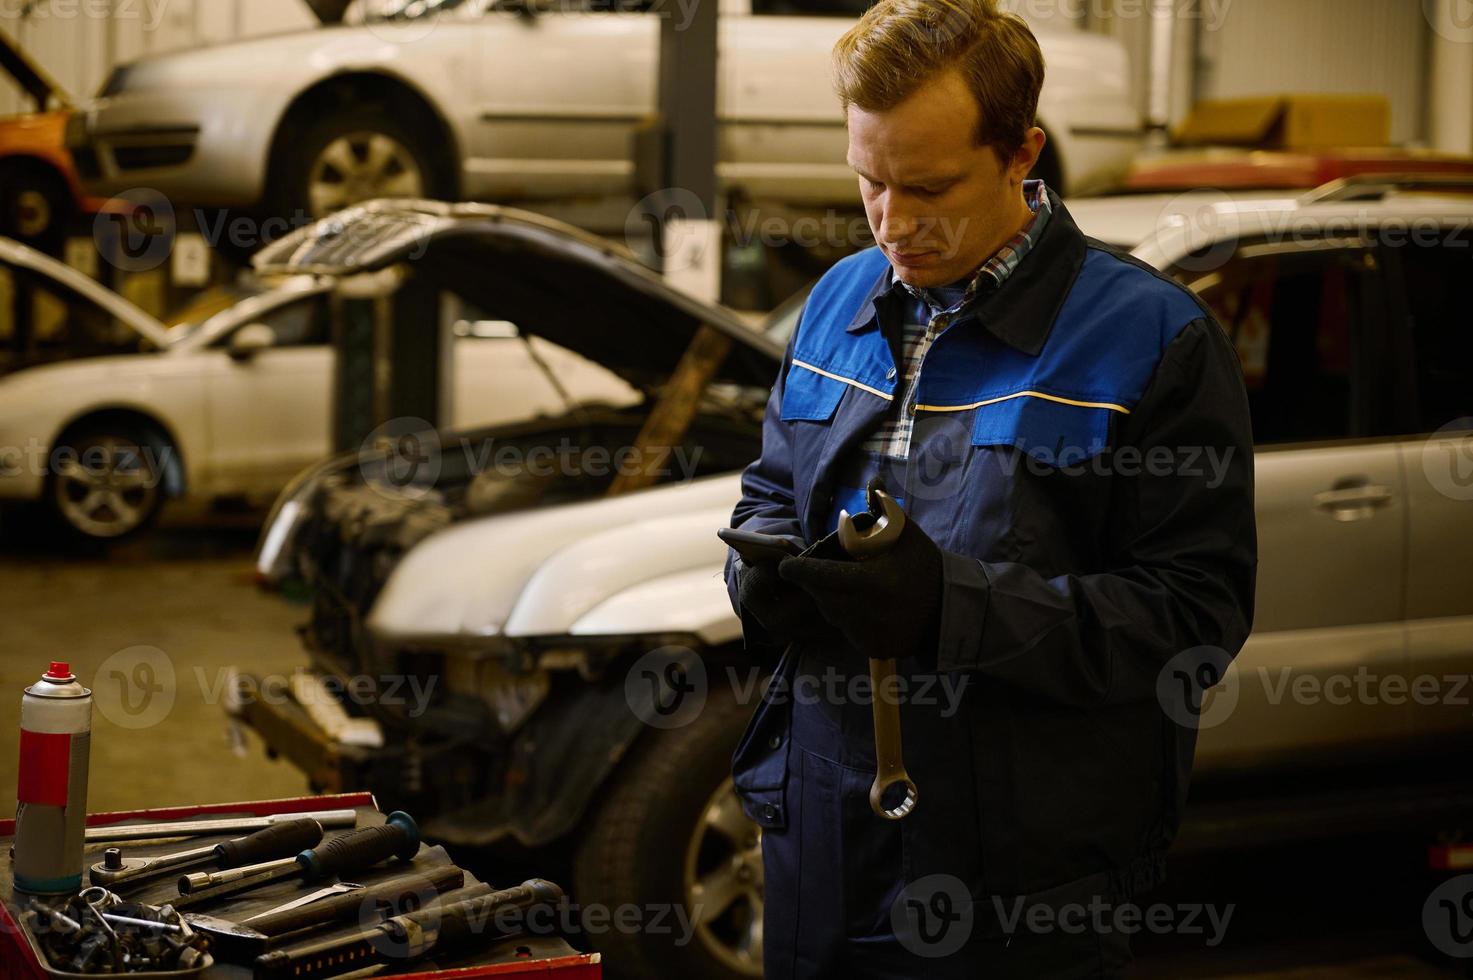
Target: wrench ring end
904, 808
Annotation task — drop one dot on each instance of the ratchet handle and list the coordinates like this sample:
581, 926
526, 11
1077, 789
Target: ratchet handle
363, 848
282, 840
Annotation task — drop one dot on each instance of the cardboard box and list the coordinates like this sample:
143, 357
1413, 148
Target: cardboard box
1286, 122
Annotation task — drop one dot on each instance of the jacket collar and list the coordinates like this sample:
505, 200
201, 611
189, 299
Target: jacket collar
1021, 312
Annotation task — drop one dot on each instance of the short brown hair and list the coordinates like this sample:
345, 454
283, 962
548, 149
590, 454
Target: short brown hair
900, 45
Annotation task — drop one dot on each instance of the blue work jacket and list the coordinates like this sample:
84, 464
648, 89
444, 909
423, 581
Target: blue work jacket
1083, 456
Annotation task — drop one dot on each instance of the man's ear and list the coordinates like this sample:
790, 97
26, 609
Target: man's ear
1025, 158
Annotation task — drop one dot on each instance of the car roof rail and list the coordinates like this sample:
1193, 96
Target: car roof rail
1372, 187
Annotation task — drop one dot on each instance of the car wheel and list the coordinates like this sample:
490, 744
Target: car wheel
670, 839
105, 484
36, 207
356, 156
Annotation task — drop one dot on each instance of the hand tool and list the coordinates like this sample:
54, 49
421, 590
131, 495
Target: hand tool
281, 840
869, 536
355, 851
358, 850
406, 937
203, 828
320, 909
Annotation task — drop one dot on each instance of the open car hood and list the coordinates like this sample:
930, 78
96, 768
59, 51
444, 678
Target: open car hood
584, 293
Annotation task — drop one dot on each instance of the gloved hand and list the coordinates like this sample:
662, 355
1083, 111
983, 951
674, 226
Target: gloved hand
787, 612
886, 606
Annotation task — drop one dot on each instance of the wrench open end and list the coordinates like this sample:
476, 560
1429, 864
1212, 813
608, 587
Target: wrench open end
881, 527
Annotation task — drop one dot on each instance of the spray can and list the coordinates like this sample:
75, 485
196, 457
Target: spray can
51, 818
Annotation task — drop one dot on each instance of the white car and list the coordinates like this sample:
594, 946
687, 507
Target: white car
545, 627
478, 101
229, 407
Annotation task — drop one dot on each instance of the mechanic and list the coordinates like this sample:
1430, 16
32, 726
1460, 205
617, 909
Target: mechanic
1039, 403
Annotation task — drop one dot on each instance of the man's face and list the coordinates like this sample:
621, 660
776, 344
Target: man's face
939, 205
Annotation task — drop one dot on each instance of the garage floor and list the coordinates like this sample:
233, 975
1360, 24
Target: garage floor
191, 598
187, 592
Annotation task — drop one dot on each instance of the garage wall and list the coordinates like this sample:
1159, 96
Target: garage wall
78, 47
1343, 46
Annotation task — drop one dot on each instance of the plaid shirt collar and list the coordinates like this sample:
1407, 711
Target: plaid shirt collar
994, 271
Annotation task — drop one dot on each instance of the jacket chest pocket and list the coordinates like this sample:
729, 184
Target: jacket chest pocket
1057, 433
1058, 489
809, 396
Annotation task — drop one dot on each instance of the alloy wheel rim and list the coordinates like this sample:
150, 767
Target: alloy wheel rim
360, 166
107, 489
723, 882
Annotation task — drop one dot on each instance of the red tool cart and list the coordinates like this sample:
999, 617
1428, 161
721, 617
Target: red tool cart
523, 955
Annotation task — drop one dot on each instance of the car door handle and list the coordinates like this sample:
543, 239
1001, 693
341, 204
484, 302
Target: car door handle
1353, 503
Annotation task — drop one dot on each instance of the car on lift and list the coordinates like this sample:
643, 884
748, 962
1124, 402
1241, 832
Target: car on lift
106, 412
40, 193
532, 607
513, 102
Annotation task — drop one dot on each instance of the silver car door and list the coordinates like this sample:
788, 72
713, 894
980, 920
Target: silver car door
1331, 507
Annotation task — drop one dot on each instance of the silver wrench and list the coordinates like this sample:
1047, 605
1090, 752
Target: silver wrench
201, 828
876, 537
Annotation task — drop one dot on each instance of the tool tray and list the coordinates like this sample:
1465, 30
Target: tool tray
21, 956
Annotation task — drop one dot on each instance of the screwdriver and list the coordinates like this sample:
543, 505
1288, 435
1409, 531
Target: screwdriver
358, 850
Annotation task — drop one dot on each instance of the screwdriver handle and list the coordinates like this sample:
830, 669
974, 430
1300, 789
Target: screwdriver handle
361, 849
282, 840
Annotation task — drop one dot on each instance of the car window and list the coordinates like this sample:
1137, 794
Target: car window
1434, 281
301, 323
41, 319
1292, 315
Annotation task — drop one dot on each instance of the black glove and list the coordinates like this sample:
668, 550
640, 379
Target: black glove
886, 606
786, 611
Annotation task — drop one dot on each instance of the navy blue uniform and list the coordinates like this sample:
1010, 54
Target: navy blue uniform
1082, 455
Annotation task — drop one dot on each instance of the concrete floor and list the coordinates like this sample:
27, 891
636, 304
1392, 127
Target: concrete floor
191, 599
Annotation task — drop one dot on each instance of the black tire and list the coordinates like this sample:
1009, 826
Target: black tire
299, 158
36, 206
635, 848
121, 462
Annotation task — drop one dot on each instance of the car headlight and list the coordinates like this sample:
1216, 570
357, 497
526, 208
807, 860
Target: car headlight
273, 553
